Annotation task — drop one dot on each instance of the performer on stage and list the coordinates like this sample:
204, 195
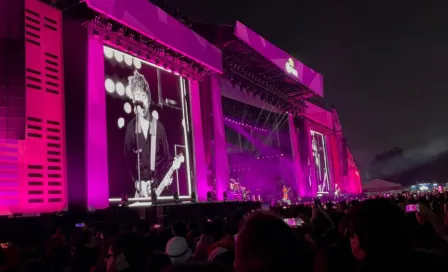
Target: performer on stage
285, 197
337, 191
143, 133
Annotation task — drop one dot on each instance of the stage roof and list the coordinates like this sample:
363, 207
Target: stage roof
153, 22
146, 30
261, 68
295, 69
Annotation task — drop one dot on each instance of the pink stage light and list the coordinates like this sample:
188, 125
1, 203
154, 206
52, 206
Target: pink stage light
245, 125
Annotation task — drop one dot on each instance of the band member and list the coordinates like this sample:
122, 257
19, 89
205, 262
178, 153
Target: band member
337, 191
285, 197
137, 144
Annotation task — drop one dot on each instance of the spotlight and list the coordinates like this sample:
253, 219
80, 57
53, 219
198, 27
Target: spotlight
224, 196
124, 200
120, 122
119, 88
137, 63
128, 92
209, 196
118, 55
193, 197
110, 85
108, 52
176, 197
128, 59
127, 108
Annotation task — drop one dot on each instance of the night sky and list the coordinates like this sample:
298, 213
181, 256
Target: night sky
385, 62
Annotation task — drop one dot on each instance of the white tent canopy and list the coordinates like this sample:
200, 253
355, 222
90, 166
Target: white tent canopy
379, 185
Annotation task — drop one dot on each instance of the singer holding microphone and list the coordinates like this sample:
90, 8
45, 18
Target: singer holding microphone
146, 148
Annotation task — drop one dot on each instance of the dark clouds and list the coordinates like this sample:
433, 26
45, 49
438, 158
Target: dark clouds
385, 62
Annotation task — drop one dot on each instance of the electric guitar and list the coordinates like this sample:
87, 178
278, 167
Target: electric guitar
167, 180
144, 188
337, 192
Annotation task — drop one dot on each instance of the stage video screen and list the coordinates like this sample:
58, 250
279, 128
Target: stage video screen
320, 160
148, 128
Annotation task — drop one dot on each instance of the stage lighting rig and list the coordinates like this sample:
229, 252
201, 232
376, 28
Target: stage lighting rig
128, 39
121, 31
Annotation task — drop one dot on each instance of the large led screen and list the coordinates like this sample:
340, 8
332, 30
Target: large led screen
148, 128
320, 159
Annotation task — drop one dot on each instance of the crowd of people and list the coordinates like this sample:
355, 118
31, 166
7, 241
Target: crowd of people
375, 234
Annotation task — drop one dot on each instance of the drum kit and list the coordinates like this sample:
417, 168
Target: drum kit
241, 192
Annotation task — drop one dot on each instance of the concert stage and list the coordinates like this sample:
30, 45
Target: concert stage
110, 95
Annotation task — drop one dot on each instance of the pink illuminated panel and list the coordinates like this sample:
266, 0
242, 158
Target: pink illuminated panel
148, 19
294, 68
96, 138
34, 169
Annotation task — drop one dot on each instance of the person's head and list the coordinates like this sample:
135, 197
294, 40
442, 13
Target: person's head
158, 261
142, 227
59, 256
266, 243
140, 92
112, 230
197, 267
228, 233
177, 249
193, 229
377, 228
35, 265
342, 206
179, 228
127, 253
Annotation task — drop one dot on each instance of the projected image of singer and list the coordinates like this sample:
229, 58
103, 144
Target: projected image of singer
146, 146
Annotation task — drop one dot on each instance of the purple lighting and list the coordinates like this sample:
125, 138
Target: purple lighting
245, 125
269, 157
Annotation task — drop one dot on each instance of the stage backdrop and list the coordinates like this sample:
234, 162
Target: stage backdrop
168, 97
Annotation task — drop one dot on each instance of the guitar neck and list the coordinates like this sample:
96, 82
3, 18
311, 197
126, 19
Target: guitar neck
162, 184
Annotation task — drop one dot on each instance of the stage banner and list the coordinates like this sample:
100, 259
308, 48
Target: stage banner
294, 68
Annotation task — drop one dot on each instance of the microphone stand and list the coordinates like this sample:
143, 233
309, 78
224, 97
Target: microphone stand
137, 144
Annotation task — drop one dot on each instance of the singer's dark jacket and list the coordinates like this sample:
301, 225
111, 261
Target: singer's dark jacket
163, 157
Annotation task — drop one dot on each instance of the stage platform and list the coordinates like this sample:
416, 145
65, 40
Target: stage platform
166, 212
